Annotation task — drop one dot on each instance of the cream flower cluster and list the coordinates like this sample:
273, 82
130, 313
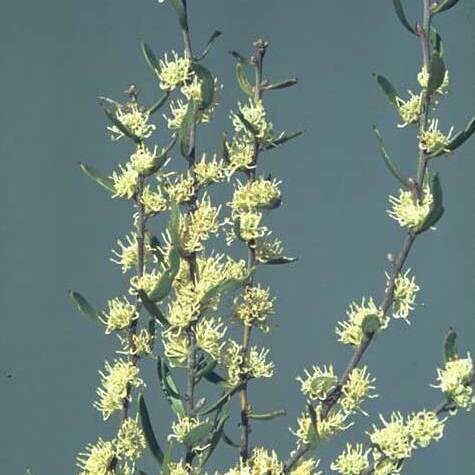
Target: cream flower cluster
254, 307
120, 315
433, 139
254, 114
135, 120
174, 71
259, 193
318, 383
409, 110
410, 213
209, 171
405, 291
356, 389
352, 461
127, 255
454, 381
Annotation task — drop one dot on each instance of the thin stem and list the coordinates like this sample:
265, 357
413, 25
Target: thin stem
260, 50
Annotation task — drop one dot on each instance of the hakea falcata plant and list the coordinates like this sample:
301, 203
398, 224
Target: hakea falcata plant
194, 311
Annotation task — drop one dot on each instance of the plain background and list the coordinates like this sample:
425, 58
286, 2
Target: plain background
57, 228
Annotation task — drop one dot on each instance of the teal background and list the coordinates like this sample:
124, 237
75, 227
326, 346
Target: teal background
57, 228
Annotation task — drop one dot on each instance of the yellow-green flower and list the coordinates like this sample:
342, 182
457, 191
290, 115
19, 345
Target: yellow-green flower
209, 171
392, 439
259, 193
432, 139
307, 467
356, 389
405, 291
135, 120
130, 440
120, 315
410, 213
254, 307
352, 461
255, 114
125, 182
175, 71
410, 110
424, 427
97, 458
318, 383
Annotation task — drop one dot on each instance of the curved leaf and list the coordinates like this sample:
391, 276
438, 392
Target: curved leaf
216, 34
85, 307
161, 158
437, 73
450, 348
197, 434
388, 161
279, 260
444, 5
187, 130
179, 7
150, 57
153, 309
115, 121
207, 85
281, 85
283, 139
220, 402
164, 285
459, 139
402, 16
149, 434
159, 103
387, 88
437, 208
169, 388
99, 178
242, 67
167, 458
268, 416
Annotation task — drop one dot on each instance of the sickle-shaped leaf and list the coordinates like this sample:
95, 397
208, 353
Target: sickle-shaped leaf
218, 433
207, 85
242, 67
450, 348
197, 434
169, 388
313, 430
228, 441
388, 89
437, 208
281, 85
153, 309
216, 34
161, 158
159, 103
150, 57
402, 16
98, 177
220, 402
436, 73
85, 307
459, 139
148, 431
187, 130
164, 285
284, 138
268, 416
444, 5
388, 161
179, 7
279, 260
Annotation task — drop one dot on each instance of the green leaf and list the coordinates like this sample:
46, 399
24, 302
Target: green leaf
387, 88
370, 325
153, 309
436, 42
207, 367
388, 161
242, 68
323, 383
169, 388
85, 307
218, 433
207, 85
402, 16
214, 377
247, 125
444, 5
437, 208
283, 139
279, 260
281, 85
187, 130
437, 73
173, 226
227, 285
313, 430
197, 434
150, 57
450, 347
216, 34
98, 177
115, 121
164, 285
220, 402
459, 139
167, 458
179, 7
161, 158
268, 416
148, 431
228, 441
159, 103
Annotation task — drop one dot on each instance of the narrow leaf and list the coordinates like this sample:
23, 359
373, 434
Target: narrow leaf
216, 34
197, 434
164, 285
402, 16
444, 5
388, 161
281, 84
148, 431
268, 416
387, 88
161, 158
153, 309
450, 347
459, 139
437, 73
167, 458
150, 57
436, 42
279, 260
214, 377
437, 208
207, 85
85, 307
313, 430
115, 121
98, 177
242, 68
159, 103
169, 388
220, 402
179, 7
187, 129
218, 433
283, 139
227, 440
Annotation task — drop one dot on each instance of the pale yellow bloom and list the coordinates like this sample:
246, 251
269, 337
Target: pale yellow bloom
255, 114
127, 255
211, 171
405, 292
254, 307
318, 383
249, 227
307, 467
135, 120
120, 315
259, 193
267, 249
424, 427
143, 158
97, 458
179, 468
241, 155
153, 201
175, 71
352, 461
146, 282
409, 213
423, 80
432, 139
454, 381
178, 110
142, 343
130, 440
392, 439
183, 427
356, 389
350, 332
176, 346
182, 188
115, 381
264, 462
410, 110
209, 334
125, 182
